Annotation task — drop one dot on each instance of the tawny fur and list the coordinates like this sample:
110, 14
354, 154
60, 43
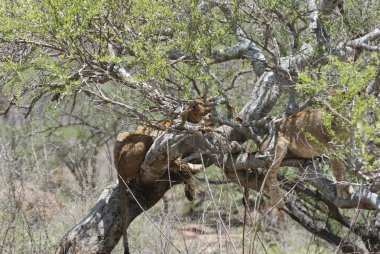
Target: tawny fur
293, 139
131, 148
194, 113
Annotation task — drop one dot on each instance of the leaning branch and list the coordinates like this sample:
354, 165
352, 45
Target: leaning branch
213, 148
364, 41
363, 198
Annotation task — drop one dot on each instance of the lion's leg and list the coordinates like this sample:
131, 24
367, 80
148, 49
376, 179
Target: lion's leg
280, 151
189, 189
339, 172
190, 168
178, 166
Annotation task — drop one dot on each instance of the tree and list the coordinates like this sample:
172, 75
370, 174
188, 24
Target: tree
146, 59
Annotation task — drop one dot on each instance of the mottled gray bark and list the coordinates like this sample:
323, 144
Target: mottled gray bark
101, 229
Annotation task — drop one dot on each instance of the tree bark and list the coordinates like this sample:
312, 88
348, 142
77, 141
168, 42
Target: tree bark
101, 228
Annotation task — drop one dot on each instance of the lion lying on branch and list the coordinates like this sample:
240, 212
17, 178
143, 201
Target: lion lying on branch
302, 135
131, 148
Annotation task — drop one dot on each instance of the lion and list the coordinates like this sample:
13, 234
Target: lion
303, 135
131, 148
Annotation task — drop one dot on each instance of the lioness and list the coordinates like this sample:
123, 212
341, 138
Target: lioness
303, 135
131, 148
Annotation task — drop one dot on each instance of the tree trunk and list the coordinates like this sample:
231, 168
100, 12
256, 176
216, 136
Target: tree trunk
101, 229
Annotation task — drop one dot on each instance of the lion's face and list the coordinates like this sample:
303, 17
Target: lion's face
198, 111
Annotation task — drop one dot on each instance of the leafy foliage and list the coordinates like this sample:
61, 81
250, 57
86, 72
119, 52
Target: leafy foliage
340, 88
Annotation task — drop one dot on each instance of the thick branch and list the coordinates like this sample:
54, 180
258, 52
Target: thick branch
264, 96
363, 199
245, 49
363, 42
214, 148
101, 230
